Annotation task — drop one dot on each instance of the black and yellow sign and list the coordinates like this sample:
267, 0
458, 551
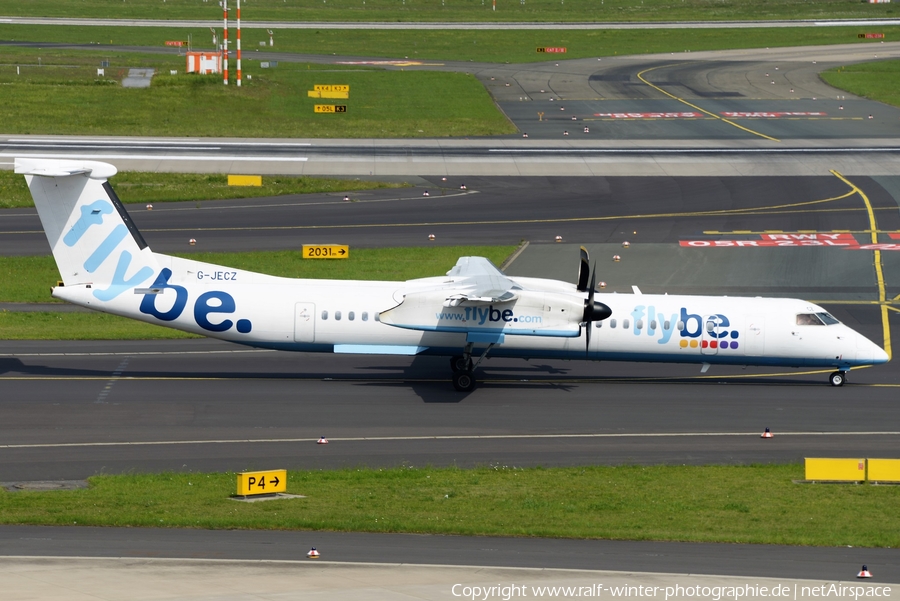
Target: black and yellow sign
330, 108
261, 483
329, 91
326, 251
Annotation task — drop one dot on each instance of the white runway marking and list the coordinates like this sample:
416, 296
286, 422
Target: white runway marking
447, 437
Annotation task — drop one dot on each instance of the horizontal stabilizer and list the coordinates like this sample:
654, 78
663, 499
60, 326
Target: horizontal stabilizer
55, 168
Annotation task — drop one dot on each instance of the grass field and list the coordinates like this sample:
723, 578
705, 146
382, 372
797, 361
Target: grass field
740, 504
458, 10
59, 92
877, 81
496, 46
140, 187
28, 280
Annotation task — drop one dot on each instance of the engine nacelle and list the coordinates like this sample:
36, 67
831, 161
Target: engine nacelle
529, 314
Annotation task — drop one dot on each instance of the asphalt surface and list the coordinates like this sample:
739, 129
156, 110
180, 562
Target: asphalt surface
506, 210
630, 557
263, 406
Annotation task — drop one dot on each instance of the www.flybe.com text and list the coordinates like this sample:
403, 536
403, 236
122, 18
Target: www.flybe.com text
483, 315
712, 593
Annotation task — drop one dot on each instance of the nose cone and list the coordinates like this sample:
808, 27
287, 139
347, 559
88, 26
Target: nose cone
869, 353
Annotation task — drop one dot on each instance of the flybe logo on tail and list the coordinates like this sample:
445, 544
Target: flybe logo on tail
92, 215
207, 306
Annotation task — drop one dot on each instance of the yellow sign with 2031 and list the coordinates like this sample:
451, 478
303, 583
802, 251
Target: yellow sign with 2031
261, 483
326, 251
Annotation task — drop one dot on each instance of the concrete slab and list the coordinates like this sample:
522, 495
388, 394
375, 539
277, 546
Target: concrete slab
138, 78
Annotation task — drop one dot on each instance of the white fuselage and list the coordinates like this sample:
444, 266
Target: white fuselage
344, 317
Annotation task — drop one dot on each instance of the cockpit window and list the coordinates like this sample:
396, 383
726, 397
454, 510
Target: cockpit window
809, 319
827, 318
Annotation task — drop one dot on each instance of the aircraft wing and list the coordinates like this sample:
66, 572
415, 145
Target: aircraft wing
477, 281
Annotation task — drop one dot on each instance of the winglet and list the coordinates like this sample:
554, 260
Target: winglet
57, 168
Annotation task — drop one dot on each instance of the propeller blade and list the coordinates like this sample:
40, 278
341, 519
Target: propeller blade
584, 268
587, 346
594, 311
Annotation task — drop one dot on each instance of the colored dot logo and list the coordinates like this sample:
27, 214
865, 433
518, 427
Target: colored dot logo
712, 344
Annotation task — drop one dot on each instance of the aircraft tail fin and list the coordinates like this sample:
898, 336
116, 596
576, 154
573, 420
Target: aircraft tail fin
92, 237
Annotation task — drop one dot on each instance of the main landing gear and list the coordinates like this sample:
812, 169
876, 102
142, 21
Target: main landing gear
837, 378
463, 368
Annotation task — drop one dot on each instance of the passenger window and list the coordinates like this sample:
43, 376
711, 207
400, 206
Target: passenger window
639, 324
666, 325
625, 323
598, 324
653, 324
365, 316
612, 323
710, 326
679, 325
808, 319
377, 317
337, 315
351, 315
324, 315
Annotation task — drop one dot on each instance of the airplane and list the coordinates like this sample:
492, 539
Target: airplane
472, 311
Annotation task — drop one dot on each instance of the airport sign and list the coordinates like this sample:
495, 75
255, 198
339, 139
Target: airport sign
326, 251
261, 483
330, 108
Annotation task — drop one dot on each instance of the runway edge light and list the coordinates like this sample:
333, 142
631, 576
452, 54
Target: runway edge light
864, 573
313, 554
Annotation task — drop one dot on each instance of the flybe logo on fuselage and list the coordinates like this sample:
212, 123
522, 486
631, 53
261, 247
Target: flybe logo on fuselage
694, 330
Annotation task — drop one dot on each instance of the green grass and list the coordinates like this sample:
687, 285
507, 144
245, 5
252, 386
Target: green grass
58, 92
80, 326
65, 96
877, 81
741, 504
496, 46
457, 10
141, 187
28, 280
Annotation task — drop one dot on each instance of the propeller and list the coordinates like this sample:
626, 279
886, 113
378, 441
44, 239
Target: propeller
584, 271
593, 311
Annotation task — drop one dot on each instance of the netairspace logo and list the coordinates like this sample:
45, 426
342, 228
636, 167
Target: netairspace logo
713, 593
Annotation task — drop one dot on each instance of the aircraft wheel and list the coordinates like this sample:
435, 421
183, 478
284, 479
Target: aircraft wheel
464, 381
458, 363
837, 378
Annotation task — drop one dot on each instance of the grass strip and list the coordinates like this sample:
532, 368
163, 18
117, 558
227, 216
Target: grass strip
58, 92
39, 325
28, 280
876, 81
458, 10
740, 504
493, 45
143, 187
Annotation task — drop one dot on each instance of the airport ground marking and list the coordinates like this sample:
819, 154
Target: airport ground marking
770, 210
879, 269
438, 437
683, 101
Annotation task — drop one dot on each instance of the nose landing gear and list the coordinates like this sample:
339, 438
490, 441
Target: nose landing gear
837, 378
